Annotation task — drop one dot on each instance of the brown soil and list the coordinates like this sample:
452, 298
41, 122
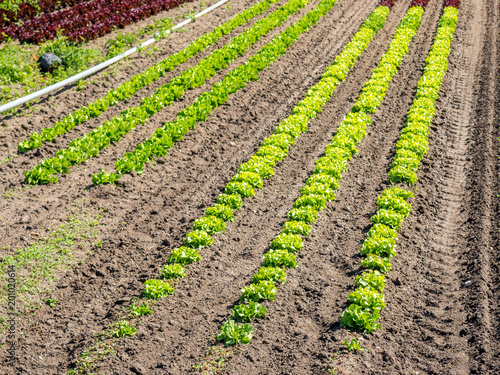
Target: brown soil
433, 323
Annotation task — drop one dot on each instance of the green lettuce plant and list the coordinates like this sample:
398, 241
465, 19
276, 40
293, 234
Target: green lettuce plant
272, 274
173, 271
247, 313
154, 289
183, 256
233, 334
262, 290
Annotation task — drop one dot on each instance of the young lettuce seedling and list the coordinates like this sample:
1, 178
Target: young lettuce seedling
353, 345
155, 289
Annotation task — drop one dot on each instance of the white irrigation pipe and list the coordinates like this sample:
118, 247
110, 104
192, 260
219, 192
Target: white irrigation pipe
103, 65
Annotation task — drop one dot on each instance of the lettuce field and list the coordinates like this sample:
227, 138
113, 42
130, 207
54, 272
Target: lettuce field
284, 187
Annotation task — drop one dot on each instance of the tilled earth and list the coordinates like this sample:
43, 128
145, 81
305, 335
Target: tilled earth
434, 322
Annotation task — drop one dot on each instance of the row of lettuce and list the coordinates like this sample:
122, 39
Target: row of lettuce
141, 80
90, 145
85, 21
367, 300
251, 176
321, 186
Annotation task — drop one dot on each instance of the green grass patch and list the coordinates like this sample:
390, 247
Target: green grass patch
36, 266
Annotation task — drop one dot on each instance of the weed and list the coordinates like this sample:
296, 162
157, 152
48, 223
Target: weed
190, 15
80, 85
87, 360
214, 360
353, 345
40, 261
52, 302
19, 72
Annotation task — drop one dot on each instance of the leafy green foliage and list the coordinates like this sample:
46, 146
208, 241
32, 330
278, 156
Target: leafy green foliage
243, 189
404, 171
357, 317
324, 179
332, 166
154, 289
258, 165
381, 246
322, 185
367, 298
221, 211
315, 202
16, 65
274, 152
52, 301
232, 82
396, 204
74, 57
353, 345
393, 207
103, 178
253, 179
374, 90
89, 145
293, 126
319, 189
231, 200
262, 290
296, 227
173, 271
390, 218
208, 101
290, 242
282, 141
140, 310
397, 192
19, 71
233, 334
381, 230
247, 313
198, 239
122, 328
413, 144
376, 263
272, 274
371, 279
209, 224
120, 43
306, 214
184, 255
279, 258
